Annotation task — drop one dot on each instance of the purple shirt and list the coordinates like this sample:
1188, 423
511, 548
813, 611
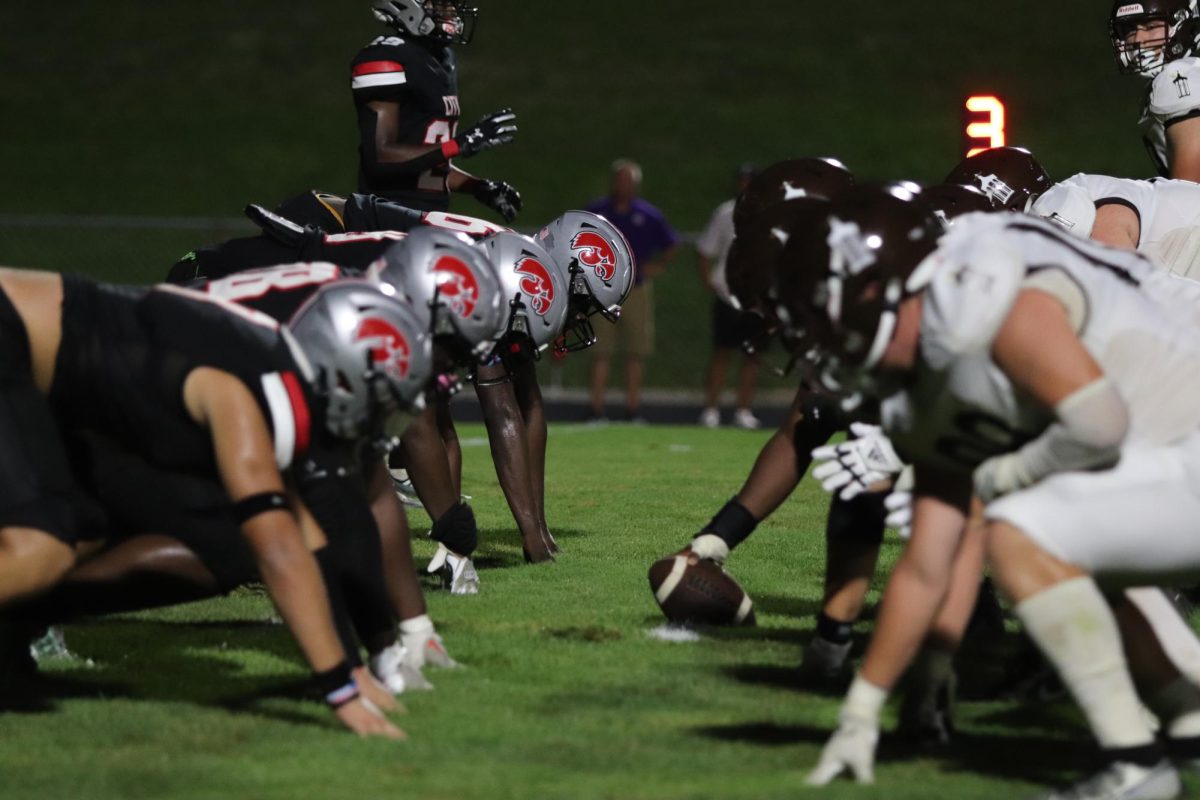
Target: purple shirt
644, 227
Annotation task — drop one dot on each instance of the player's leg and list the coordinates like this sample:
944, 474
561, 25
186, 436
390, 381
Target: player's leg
747, 380
508, 439
450, 441
1136, 519
533, 411
31, 560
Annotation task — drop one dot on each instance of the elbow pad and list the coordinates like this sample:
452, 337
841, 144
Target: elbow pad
1091, 426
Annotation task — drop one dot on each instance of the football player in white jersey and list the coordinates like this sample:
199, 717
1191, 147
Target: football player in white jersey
1159, 218
1157, 39
1052, 378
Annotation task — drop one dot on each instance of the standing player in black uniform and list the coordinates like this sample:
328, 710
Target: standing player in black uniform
196, 388
406, 93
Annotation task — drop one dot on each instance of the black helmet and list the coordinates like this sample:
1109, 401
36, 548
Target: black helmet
1010, 176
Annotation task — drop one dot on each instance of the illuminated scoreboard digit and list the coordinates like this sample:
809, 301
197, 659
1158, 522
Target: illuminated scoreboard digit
985, 123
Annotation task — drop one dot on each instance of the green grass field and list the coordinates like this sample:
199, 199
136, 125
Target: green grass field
563, 695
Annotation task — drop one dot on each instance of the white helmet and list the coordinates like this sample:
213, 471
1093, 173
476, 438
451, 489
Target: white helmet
429, 18
597, 265
370, 355
451, 284
534, 292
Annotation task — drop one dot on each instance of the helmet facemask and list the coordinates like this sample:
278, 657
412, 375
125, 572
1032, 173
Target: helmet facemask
448, 21
1176, 34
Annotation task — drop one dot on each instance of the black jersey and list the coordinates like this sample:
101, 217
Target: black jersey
422, 78
126, 354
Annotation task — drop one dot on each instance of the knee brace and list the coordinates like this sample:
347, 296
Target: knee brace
859, 520
733, 523
457, 530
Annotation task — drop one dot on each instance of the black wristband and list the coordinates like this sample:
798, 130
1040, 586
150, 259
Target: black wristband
337, 685
261, 503
733, 523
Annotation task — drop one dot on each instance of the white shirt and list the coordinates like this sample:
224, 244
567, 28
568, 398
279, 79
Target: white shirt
714, 245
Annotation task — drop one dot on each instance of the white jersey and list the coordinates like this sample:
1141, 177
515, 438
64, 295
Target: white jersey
714, 245
1133, 319
1162, 206
1174, 96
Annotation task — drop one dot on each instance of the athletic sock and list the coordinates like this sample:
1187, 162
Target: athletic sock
1077, 632
833, 630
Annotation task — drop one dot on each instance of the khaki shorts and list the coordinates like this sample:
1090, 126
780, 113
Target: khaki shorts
634, 332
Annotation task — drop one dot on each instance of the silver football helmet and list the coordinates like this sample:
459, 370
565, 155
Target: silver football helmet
534, 292
597, 265
369, 354
450, 21
451, 284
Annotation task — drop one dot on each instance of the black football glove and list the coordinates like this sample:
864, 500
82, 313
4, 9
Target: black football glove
499, 196
494, 129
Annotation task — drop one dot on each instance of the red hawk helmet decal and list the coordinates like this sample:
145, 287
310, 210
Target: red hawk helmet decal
389, 349
594, 251
456, 284
536, 284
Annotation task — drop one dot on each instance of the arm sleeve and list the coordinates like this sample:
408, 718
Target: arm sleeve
1175, 92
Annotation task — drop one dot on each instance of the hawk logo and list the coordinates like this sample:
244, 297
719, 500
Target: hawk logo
1181, 86
997, 190
389, 350
536, 284
456, 285
595, 252
849, 252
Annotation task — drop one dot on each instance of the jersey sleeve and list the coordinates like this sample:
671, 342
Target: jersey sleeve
378, 73
1068, 204
1175, 92
973, 287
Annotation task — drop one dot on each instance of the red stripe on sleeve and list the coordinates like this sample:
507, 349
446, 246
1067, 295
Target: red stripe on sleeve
376, 67
300, 413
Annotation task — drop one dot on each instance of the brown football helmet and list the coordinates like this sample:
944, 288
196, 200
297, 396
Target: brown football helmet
1010, 176
788, 180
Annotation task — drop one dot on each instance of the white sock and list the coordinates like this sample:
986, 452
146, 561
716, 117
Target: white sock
1076, 630
421, 624
1178, 706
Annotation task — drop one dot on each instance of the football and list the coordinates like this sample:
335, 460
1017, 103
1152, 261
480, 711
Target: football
690, 589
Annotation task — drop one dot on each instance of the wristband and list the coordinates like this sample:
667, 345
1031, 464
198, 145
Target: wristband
337, 685
449, 149
249, 507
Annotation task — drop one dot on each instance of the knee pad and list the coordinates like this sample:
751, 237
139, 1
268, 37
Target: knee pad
859, 520
457, 530
733, 524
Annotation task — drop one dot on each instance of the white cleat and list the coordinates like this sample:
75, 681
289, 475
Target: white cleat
458, 572
744, 418
710, 418
391, 667
1124, 781
823, 660
404, 488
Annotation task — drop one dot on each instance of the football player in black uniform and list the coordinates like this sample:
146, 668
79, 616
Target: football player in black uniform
203, 390
406, 92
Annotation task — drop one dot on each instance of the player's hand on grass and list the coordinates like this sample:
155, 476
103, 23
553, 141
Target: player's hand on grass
375, 692
364, 719
851, 749
495, 129
857, 465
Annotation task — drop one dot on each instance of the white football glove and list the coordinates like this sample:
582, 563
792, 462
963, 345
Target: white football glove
854, 466
852, 746
391, 668
422, 645
710, 546
899, 513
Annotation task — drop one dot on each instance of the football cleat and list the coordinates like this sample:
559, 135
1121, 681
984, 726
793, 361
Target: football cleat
458, 572
392, 667
1122, 780
404, 488
824, 661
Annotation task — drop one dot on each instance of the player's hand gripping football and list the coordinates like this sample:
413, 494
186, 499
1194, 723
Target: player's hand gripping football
494, 129
857, 465
500, 197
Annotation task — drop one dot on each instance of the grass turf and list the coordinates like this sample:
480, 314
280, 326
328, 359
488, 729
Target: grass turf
563, 695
